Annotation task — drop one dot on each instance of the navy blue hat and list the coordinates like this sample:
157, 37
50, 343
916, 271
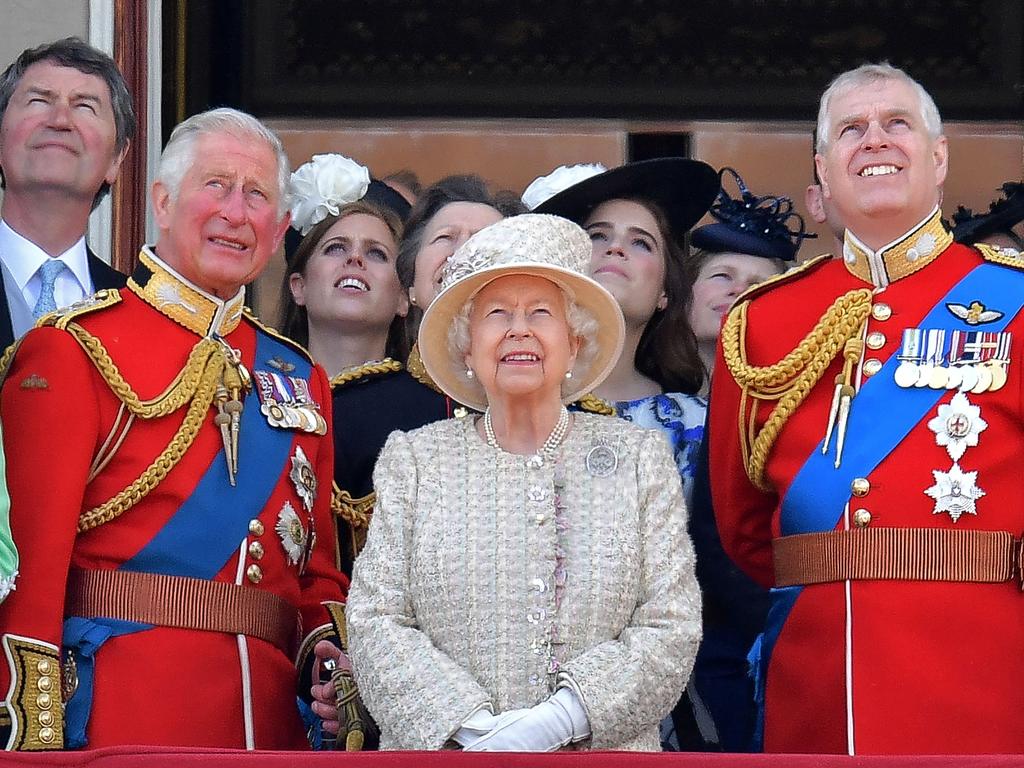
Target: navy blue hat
750, 224
1002, 216
682, 188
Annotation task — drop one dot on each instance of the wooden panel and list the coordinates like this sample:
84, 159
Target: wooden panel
509, 158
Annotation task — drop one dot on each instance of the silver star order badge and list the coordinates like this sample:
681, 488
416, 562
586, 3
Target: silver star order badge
955, 492
303, 477
293, 534
957, 426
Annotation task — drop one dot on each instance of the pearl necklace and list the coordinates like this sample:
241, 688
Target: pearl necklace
549, 446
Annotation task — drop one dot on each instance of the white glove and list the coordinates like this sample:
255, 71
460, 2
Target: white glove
483, 722
545, 727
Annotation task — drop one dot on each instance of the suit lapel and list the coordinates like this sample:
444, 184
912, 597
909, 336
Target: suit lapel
102, 274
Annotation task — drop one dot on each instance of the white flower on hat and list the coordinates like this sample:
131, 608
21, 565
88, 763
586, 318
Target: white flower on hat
543, 188
320, 187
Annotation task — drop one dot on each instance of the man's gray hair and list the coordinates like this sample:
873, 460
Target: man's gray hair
179, 154
867, 74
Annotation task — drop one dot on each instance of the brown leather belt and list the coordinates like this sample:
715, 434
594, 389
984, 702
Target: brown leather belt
912, 554
178, 601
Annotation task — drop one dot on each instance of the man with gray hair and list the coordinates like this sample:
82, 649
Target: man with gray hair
66, 121
182, 549
863, 433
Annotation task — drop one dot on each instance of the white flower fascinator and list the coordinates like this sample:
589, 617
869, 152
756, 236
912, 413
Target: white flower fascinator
320, 187
543, 188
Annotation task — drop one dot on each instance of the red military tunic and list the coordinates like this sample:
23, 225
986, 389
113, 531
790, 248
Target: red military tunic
73, 445
887, 665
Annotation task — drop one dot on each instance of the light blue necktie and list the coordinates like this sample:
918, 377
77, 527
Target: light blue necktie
48, 274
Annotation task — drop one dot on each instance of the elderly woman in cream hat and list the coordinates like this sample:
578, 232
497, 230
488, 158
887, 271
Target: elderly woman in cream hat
527, 582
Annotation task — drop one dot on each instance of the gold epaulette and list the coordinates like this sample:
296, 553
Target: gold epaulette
60, 319
248, 315
99, 300
372, 368
1007, 257
790, 379
414, 365
356, 512
797, 270
591, 403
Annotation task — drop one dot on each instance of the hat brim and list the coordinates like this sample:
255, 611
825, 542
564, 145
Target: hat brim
684, 189
721, 238
449, 374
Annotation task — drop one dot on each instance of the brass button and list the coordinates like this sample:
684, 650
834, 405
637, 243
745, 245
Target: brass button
881, 311
44, 684
256, 528
875, 340
256, 550
861, 518
45, 718
46, 735
254, 573
860, 486
44, 701
872, 366
44, 667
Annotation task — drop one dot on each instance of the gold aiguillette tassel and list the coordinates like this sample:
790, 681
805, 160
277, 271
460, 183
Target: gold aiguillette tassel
842, 397
832, 412
223, 422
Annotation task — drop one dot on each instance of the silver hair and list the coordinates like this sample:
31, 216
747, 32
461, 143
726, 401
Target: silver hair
179, 154
867, 74
582, 324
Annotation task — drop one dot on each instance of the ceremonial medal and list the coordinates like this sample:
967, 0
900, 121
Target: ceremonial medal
293, 535
957, 425
287, 403
969, 378
998, 375
602, 461
303, 478
910, 354
906, 374
924, 375
955, 492
954, 377
939, 377
984, 379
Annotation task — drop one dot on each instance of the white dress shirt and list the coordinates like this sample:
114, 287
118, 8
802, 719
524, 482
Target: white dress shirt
21, 259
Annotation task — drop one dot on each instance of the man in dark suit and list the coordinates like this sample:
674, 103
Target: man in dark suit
66, 121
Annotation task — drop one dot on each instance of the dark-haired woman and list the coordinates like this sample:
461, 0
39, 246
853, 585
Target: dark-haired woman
637, 216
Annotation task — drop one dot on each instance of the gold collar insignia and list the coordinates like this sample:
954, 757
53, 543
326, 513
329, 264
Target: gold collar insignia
183, 302
900, 258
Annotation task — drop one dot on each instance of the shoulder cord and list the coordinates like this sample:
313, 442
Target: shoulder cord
790, 379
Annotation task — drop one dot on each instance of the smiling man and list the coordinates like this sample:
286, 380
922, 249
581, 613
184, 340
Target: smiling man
66, 121
173, 551
864, 424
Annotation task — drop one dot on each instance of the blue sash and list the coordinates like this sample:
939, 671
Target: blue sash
819, 492
201, 536
210, 524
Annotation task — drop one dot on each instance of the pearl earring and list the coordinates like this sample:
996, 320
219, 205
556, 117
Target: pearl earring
568, 374
469, 373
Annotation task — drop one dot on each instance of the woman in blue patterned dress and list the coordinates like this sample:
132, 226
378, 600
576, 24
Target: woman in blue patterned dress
637, 216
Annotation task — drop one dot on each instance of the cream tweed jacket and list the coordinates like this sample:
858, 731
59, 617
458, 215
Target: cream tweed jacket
453, 601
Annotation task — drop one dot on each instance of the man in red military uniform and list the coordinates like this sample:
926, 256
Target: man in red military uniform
170, 464
865, 418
